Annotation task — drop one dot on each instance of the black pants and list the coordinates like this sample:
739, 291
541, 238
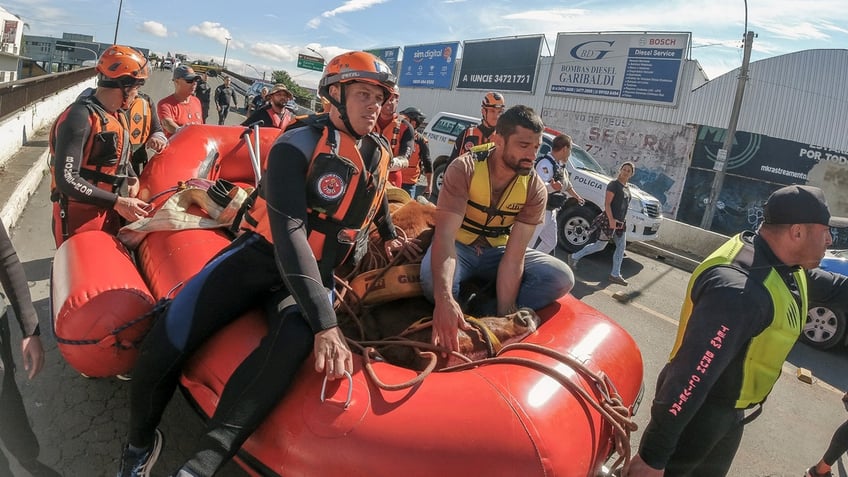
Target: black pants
242, 276
222, 115
708, 444
15, 430
204, 107
838, 444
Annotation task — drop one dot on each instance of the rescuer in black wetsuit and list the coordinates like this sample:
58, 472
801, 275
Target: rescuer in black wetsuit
310, 214
94, 185
745, 307
15, 431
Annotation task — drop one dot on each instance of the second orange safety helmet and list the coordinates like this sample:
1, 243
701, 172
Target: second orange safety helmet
494, 100
122, 66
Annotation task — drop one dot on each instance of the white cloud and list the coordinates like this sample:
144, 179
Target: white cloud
154, 28
214, 31
347, 7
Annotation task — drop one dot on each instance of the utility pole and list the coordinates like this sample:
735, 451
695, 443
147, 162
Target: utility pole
118, 22
224, 63
721, 158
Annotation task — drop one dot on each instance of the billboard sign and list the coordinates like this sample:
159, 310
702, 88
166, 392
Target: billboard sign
635, 67
428, 66
507, 64
390, 57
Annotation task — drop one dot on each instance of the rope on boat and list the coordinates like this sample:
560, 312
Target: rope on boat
112, 338
611, 406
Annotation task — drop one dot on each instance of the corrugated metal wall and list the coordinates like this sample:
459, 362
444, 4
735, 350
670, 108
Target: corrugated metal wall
801, 96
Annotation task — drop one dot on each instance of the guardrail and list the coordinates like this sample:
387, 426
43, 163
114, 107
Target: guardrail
17, 95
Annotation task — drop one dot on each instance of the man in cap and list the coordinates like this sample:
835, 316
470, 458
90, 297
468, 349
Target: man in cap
182, 107
274, 114
745, 306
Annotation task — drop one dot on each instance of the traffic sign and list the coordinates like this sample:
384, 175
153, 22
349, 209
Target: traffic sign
310, 62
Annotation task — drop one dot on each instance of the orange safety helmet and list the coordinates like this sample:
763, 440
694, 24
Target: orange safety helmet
493, 100
357, 66
121, 66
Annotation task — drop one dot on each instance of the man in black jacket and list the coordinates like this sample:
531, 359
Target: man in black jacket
203, 92
745, 306
225, 98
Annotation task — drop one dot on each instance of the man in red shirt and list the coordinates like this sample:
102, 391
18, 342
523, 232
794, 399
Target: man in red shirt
182, 107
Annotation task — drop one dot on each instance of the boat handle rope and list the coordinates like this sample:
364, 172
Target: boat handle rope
369, 370
112, 338
349, 389
611, 409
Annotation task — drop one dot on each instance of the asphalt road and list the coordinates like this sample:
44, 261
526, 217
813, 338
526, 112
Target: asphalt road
81, 422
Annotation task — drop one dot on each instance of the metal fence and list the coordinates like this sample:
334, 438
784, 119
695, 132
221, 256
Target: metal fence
17, 95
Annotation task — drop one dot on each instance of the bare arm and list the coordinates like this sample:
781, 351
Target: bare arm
608, 209
511, 268
447, 315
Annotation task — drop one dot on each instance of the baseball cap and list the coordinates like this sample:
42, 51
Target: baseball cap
800, 204
279, 87
185, 72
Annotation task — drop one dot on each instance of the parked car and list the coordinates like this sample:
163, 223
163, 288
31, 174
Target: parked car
826, 322
587, 176
167, 64
252, 92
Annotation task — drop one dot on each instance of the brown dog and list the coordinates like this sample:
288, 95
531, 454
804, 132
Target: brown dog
410, 319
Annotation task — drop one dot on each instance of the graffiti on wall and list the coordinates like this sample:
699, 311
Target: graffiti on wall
660, 151
756, 166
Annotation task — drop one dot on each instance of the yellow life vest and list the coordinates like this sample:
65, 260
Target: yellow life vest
483, 220
767, 351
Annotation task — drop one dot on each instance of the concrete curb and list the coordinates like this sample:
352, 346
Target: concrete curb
673, 259
24, 188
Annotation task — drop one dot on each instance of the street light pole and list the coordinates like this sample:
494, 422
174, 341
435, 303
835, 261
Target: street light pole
257, 71
726, 148
118, 22
313, 50
224, 65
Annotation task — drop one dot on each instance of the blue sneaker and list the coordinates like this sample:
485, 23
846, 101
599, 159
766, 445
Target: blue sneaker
140, 464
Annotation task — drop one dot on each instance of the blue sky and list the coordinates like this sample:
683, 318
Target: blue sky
268, 35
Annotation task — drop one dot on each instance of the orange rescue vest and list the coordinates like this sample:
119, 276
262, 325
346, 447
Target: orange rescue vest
106, 154
344, 193
139, 119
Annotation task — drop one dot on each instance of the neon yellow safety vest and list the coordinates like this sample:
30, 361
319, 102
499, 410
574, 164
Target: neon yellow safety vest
767, 351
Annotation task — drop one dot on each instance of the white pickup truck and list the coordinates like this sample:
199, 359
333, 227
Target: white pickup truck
587, 176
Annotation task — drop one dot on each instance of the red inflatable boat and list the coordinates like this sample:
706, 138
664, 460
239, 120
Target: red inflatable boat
543, 407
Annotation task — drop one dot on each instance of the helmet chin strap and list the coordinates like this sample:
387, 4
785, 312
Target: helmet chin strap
125, 91
340, 105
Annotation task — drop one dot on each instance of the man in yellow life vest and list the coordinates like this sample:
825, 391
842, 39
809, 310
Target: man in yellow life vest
744, 308
489, 207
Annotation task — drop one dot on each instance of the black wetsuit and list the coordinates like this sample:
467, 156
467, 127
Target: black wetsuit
702, 437
15, 431
250, 272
